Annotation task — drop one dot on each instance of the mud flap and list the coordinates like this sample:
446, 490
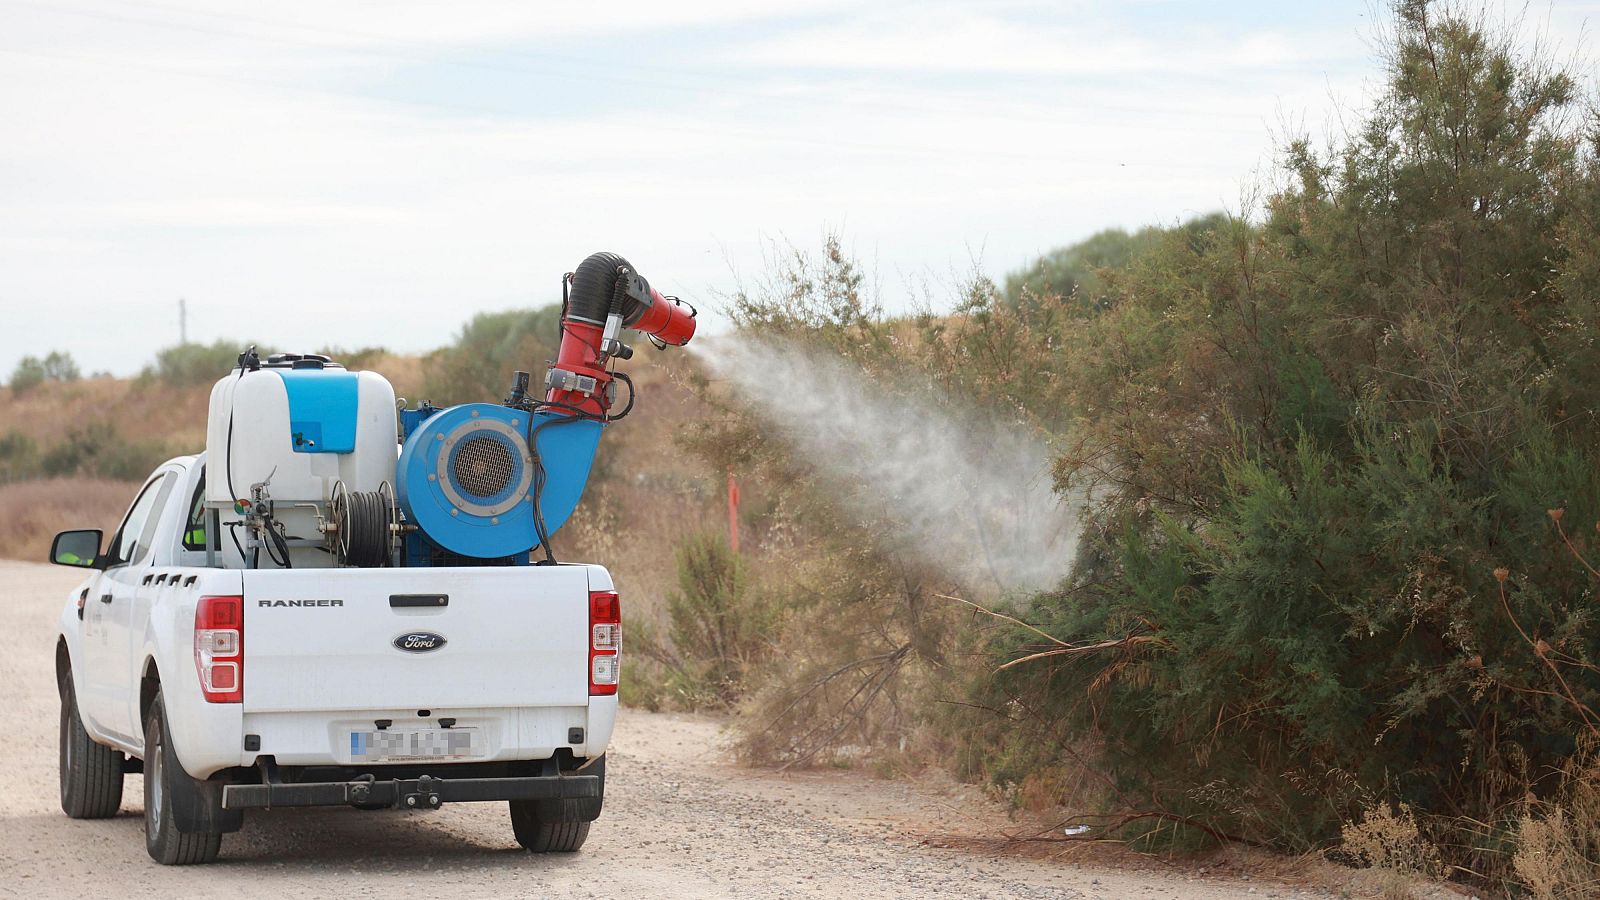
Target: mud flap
197, 805
582, 809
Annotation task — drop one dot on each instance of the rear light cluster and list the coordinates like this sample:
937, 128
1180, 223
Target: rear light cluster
605, 641
219, 648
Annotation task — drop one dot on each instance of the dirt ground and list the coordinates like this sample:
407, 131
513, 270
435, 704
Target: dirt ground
680, 821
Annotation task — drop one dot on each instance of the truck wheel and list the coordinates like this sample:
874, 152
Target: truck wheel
538, 835
557, 826
163, 778
91, 774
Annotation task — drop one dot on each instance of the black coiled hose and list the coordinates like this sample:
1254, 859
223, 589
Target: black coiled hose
362, 522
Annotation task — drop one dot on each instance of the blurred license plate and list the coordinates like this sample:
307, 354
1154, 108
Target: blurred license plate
394, 745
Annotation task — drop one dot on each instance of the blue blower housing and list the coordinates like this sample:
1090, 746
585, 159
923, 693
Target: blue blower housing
468, 482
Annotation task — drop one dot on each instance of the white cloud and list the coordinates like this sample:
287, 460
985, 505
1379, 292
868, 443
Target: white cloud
951, 38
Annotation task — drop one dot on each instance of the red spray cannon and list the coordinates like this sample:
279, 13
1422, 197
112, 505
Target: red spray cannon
604, 296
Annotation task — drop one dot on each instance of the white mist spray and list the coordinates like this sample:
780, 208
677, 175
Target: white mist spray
967, 495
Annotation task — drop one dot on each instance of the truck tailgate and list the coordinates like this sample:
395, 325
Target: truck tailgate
331, 639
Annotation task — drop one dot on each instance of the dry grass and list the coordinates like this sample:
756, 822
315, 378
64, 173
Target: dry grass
152, 411
31, 512
1391, 840
1558, 842
403, 372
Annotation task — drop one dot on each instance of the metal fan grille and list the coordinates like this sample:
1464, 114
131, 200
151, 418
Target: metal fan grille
483, 466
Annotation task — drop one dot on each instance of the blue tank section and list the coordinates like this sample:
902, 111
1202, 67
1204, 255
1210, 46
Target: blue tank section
323, 408
468, 481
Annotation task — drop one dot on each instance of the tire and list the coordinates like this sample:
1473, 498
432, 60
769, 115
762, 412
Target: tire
162, 773
91, 773
558, 826
539, 836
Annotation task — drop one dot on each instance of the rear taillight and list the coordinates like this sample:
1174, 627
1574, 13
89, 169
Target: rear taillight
605, 641
219, 648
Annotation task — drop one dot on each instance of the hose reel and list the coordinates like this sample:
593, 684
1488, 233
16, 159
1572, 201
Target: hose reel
363, 525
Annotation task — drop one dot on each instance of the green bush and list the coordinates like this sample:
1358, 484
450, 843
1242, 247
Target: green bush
97, 449
1316, 439
360, 358
19, 457
31, 371
1074, 272
718, 627
195, 364
478, 366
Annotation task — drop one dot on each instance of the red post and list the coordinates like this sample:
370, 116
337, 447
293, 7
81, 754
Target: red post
733, 513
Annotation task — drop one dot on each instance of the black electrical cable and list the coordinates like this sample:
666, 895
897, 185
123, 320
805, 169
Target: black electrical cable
632, 393
541, 532
576, 412
227, 460
566, 299
227, 465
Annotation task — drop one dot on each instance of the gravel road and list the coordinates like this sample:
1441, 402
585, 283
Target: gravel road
679, 822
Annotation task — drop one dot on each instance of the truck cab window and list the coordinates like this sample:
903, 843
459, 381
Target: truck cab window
194, 531
133, 536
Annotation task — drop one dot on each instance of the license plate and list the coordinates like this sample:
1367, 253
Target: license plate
426, 744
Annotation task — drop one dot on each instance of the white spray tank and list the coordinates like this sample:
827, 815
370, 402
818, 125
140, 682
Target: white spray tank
301, 426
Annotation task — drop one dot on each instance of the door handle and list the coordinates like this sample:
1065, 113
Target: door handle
105, 598
413, 601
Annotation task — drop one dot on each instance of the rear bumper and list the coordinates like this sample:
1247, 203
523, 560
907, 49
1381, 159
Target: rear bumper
210, 737
426, 792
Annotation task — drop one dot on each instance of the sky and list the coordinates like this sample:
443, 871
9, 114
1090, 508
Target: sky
312, 173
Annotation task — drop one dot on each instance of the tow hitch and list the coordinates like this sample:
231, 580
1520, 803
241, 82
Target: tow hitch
425, 796
423, 792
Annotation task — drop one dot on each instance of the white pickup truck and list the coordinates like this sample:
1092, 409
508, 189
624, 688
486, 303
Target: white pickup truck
348, 610
252, 688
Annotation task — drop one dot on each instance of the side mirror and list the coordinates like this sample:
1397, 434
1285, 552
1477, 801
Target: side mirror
77, 548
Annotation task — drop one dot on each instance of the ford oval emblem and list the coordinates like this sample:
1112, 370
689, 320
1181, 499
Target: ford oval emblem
419, 641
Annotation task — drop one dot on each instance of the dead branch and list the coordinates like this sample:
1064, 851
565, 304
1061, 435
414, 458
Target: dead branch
1002, 616
872, 687
1132, 640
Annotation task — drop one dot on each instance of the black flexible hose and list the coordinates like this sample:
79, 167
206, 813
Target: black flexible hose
235, 535
275, 542
364, 529
602, 281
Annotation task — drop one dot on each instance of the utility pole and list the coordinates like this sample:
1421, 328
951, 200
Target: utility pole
183, 322
733, 513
